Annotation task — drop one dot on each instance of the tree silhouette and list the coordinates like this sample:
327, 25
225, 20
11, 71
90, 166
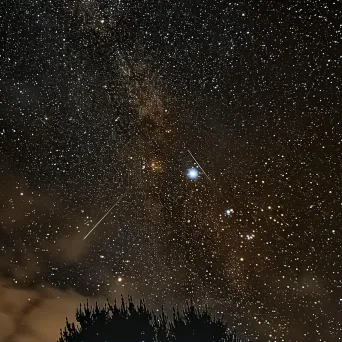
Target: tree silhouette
195, 325
129, 322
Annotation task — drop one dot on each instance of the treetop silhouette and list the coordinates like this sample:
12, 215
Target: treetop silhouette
130, 322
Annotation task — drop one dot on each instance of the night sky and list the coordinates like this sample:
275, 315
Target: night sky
208, 132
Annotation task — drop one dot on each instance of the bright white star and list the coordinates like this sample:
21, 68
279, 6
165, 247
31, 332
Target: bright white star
193, 173
229, 212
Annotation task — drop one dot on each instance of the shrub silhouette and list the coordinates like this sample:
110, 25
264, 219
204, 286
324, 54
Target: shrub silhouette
128, 322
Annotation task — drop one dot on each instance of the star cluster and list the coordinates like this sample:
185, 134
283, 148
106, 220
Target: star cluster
177, 150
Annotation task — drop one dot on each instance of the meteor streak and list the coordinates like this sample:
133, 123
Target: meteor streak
119, 199
200, 167
211, 182
283, 220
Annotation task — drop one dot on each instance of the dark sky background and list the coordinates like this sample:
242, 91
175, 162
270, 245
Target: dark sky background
110, 103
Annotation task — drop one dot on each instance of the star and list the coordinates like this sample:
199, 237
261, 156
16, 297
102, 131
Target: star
229, 212
193, 173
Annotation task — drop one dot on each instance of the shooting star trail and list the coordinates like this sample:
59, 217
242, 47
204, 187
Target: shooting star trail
211, 182
192, 156
254, 217
280, 237
119, 199
283, 220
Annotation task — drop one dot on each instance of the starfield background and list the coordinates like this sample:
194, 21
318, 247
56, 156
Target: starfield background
172, 150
